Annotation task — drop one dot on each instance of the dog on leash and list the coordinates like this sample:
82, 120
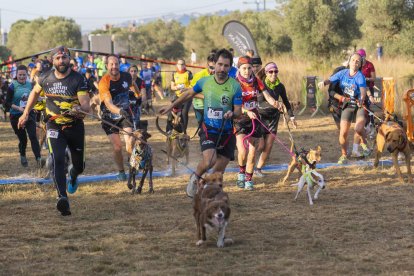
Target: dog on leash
392, 136
141, 160
312, 178
211, 209
177, 142
313, 156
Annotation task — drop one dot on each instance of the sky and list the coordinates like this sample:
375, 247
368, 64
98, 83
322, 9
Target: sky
93, 14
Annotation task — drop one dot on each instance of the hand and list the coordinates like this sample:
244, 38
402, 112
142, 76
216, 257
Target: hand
22, 120
124, 113
77, 112
371, 99
321, 84
181, 86
251, 115
165, 110
228, 115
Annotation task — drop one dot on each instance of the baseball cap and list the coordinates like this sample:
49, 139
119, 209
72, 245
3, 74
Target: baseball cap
362, 53
61, 50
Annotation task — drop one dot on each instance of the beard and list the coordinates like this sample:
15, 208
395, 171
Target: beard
63, 68
114, 72
222, 75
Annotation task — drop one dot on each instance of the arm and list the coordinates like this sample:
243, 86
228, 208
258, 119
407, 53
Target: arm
34, 95
187, 95
9, 97
270, 99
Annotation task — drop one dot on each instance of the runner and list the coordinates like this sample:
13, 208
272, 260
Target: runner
66, 95
269, 111
16, 100
114, 90
352, 83
136, 97
198, 103
222, 103
181, 79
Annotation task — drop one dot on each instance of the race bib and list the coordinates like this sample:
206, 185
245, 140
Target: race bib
349, 91
51, 133
249, 105
215, 113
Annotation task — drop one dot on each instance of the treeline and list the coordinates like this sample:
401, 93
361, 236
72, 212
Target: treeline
314, 29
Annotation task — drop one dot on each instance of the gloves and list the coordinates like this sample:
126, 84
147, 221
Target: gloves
124, 113
181, 86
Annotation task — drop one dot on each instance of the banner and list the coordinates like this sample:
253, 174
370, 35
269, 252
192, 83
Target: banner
239, 37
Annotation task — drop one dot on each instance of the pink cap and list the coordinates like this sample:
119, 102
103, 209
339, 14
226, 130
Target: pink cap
362, 53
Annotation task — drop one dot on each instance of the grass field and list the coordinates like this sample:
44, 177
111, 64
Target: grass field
362, 223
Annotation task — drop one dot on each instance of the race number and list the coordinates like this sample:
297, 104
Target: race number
349, 91
51, 133
215, 113
249, 105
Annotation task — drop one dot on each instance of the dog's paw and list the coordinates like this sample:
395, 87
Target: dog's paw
200, 242
139, 190
220, 243
151, 191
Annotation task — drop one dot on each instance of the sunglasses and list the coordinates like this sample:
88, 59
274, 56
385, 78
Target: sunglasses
273, 72
180, 63
211, 67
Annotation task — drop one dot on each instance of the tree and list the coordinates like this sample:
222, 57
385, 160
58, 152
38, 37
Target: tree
321, 28
389, 22
4, 53
29, 37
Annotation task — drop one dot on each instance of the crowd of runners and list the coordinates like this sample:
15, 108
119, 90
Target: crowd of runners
237, 103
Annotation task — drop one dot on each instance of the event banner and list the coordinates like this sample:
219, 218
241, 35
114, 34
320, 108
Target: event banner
239, 37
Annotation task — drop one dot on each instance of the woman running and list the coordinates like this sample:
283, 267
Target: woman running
270, 111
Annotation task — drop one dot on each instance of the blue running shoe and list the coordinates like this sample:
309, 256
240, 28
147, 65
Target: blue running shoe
248, 185
72, 184
121, 176
240, 180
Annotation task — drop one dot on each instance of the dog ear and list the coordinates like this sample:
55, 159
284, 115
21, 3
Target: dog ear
319, 148
386, 135
147, 135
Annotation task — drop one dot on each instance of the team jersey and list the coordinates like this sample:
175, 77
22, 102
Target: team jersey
146, 75
182, 78
367, 69
350, 85
62, 94
250, 92
21, 92
218, 99
115, 90
199, 103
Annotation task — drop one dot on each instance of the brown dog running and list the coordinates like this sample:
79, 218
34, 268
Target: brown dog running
141, 159
314, 156
392, 135
211, 209
177, 142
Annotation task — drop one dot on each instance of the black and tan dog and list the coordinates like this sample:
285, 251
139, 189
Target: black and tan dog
141, 160
313, 157
177, 142
392, 136
211, 209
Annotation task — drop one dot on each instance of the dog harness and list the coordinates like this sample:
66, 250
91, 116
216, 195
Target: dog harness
175, 136
141, 157
308, 177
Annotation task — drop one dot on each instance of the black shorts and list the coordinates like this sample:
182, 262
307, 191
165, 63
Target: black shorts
227, 143
336, 113
350, 113
271, 122
123, 123
244, 126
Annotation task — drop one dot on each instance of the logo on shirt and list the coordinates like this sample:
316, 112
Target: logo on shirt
125, 84
225, 100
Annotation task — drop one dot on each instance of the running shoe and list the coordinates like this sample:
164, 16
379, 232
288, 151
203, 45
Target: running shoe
72, 184
23, 161
248, 185
365, 150
40, 162
121, 176
356, 154
192, 186
342, 160
63, 206
258, 173
240, 180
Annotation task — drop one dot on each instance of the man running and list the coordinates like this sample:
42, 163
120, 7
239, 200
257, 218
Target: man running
66, 101
114, 89
222, 103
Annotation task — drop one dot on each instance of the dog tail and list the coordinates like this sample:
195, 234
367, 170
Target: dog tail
159, 128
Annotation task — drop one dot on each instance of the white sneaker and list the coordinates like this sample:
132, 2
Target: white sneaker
192, 186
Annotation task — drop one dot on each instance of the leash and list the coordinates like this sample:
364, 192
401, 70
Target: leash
223, 123
249, 135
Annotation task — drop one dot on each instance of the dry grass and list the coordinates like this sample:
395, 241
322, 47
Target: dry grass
362, 223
